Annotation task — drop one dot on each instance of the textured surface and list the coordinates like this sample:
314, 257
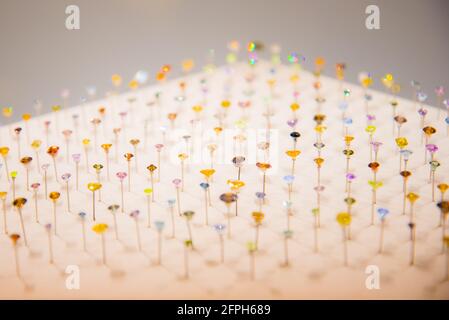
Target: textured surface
133, 274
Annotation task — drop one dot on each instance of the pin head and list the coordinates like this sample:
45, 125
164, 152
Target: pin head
344, 219
19, 202
100, 228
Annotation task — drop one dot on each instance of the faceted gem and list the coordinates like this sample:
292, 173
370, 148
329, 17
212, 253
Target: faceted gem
204, 185
53, 151
207, 172
235, 184
128, 156
100, 228
14, 238
293, 153
412, 197
374, 166
106, 147
344, 219
177, 182
54, 195
375, 184
19, 202
26, 160
151, 168
188, 214
258, 217
443, 187
93, 186
66, 176
382, 212
228, 197
405, 174
429, 130
401, 142
263, 166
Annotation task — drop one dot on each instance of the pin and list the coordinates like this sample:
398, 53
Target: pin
228, 198
101, 228
220, 229
258, 218
76, 158
15, 239
382, 212
17, 131
375, 184
106, 147
177, 183
289, 179
251, 246
446, 243
428, 132
116, 132
401, 142
443, 187
182, 157
148, 192
93, 186
187, 245
50, 243
159, 148
54, 196
151, 168
97, 167
288, 234
238, 163
412, 227
293, 154
66, 178
432, 149
208, 175
82, 216
188, 215
35, 186
13, 175
3, 195
135, 143
212, 147
349, 200
316, 226
67, 134
95, 122
121, 176
86, 143
434, 164
444, 209
4, 152
53, 152
263, 167
412, 198
128, 157
159, 227
344, 219
171, 204
113, 208
376, 145
44, 169
135, 215
36, 145
19, 203
370, 129
205, 187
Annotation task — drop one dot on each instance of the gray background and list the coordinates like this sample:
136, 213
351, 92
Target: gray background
39, 56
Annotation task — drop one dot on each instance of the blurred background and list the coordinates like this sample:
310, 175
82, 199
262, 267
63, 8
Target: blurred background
39, 57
